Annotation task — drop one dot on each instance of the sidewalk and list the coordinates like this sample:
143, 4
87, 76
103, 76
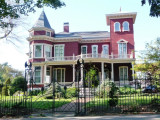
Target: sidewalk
109, 117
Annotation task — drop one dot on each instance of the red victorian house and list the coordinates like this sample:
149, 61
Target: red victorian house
54, 55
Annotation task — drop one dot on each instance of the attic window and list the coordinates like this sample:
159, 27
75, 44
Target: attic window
48, 34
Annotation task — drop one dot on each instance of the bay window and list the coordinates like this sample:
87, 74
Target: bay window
38, 51
48, 51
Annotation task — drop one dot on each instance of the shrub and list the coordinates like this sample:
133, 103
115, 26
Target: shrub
18, 93
71, 92
35, 92
126, 90
6, 87
113, 94
5, 90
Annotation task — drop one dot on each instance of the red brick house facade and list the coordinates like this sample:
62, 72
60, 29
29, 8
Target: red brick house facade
54, 55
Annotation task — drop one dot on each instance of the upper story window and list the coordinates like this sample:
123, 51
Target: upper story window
38, 51
48, 50
122, 48
94, 51
59, 52
84, 49
125, 26
48, 33
105, 50
117, 27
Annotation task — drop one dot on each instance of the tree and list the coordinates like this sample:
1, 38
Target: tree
18, 84
6, 71
6, 87
151, 58
91, 79
155, 7
11, 10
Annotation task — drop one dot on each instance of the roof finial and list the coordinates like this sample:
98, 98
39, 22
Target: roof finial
120, 9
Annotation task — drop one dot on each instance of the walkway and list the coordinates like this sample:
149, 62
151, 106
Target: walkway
110, 117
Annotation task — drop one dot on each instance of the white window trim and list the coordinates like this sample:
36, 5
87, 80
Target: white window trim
35, 50
103, 46
59, 45
61, 74
122, 41
49, 32
45, 50
119, 27
123, 27
40, 74
86, 48
123, 72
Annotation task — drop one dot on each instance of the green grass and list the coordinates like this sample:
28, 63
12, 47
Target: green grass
37, 102
124, 100
42, 103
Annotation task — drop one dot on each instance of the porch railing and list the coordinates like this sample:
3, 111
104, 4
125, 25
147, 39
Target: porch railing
89, 56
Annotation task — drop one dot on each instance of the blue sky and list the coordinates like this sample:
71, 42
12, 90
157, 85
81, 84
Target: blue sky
83, 15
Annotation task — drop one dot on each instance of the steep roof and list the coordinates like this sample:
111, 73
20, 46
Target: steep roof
42, 21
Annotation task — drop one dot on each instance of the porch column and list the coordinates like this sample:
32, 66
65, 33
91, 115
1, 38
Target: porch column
45, 66
102, 70
73, 72
133, 70
81, 73
112, 74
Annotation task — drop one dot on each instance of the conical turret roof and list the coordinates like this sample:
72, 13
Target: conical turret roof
42, 21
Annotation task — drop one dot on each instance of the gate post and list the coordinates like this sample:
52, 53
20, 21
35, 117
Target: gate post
81, 100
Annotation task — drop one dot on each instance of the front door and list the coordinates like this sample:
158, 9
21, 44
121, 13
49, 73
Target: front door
106, 74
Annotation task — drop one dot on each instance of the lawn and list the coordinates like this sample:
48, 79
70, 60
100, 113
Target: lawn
37, 102
124, 100
134, 100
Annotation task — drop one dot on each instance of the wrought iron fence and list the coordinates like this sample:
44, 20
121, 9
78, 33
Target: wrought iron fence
139, 95
14, 104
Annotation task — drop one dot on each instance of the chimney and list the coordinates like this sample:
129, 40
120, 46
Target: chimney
66, 27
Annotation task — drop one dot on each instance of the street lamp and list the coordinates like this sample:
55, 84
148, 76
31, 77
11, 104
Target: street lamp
29, 74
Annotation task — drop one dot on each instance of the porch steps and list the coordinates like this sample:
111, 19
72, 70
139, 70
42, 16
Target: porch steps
88, 92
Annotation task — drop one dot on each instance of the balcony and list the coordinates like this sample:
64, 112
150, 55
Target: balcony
90, 56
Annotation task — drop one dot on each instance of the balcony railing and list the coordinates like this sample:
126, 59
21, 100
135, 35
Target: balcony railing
89, 56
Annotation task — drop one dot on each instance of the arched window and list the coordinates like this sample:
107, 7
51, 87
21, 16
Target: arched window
117, 27
125, 26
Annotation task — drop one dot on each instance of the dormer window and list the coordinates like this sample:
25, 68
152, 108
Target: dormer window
48, 34
117, 27
125, 26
